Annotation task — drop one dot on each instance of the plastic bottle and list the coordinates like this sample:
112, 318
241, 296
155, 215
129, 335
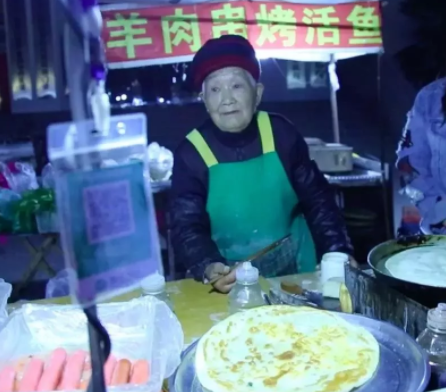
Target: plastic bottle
247, 293
155, 285
100, 104
433, 341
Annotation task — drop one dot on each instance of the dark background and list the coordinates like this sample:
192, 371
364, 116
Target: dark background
371, 125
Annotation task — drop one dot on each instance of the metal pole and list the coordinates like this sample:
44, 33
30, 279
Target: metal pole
98, 353
78, 72
334, 107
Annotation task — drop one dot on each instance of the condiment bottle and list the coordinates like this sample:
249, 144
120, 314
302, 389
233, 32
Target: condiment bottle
155, 285
247, 293
433, 341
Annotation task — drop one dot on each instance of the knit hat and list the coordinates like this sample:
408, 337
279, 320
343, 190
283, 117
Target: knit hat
226, 51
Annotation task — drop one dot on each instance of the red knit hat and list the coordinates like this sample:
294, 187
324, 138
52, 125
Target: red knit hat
226, 51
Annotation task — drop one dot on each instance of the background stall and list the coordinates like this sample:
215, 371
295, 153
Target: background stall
299, 46
295, 43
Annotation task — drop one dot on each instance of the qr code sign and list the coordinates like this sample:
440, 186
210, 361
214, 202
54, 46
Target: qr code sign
108, 211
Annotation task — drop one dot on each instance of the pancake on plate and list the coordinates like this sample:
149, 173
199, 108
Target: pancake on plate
285, 349
424, 265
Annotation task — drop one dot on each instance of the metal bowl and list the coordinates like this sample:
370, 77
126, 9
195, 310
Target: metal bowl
403, 366
428, 296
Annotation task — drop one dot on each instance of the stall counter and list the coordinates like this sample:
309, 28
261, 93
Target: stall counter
196, 307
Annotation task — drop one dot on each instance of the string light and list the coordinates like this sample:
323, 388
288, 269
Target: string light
137, 101
121, 128
184, 72
131, 95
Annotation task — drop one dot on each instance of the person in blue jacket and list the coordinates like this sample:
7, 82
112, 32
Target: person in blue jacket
422, 157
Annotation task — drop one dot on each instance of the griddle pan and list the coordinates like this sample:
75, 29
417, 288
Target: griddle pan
426, 295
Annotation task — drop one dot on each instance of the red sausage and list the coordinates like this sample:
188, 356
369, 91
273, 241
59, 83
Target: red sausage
140, 372
52, 373
121, 374
31, 376
7, 379
72, 374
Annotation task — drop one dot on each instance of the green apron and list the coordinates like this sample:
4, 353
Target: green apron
251, 204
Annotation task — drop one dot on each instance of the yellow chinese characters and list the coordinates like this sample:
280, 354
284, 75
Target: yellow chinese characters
180, 27
323, 26
277, 21
229, 20
128, 33
366, 26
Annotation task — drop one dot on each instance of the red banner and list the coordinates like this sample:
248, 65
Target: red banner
141, 36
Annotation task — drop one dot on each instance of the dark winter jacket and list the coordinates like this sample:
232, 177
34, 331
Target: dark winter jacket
191, 238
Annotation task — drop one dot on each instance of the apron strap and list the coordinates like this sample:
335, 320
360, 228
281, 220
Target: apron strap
266, 136
266, 132
197, 139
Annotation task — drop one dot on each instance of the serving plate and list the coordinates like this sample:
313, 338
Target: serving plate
403, 366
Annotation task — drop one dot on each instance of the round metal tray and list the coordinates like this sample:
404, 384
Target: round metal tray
403, 366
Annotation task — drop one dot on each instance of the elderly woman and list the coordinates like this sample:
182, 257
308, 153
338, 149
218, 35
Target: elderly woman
244, 179
422, 157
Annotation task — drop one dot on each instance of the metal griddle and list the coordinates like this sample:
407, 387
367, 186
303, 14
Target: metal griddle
403, 364
428, 296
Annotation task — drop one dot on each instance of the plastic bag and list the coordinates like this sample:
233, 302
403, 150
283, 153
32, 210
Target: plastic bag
48, 176
7, 200
47, 222
23, 177
6, 178
106, 214
160, 162
5, 293
143, 328
59, 286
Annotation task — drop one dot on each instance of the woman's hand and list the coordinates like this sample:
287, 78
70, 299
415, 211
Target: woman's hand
225, 277
225, 284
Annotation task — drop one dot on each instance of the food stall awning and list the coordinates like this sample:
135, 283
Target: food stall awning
163, 33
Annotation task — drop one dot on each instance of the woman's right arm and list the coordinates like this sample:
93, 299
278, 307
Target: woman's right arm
414, 160
191, 229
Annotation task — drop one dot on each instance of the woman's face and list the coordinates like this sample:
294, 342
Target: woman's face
231, 97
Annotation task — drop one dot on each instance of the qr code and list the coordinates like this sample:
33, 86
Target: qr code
108, 211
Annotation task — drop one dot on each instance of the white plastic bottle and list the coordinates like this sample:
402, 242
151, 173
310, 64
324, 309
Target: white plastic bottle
247, 293
155, 285
433, 341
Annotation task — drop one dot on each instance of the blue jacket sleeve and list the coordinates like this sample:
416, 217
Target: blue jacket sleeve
414, 160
